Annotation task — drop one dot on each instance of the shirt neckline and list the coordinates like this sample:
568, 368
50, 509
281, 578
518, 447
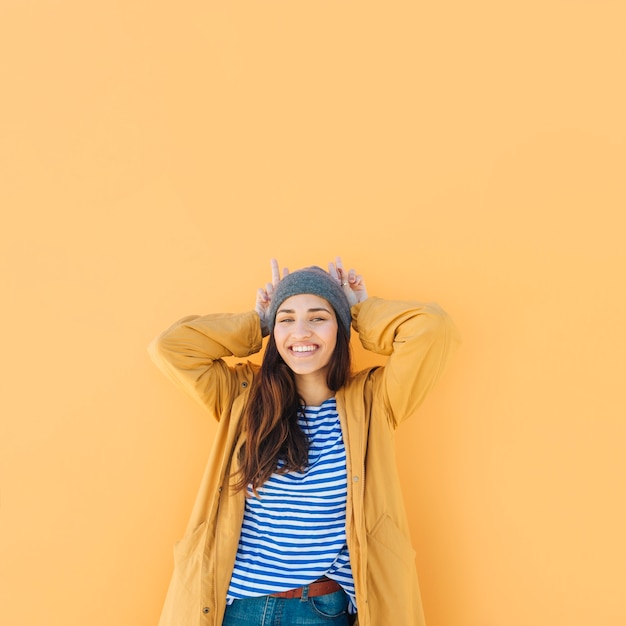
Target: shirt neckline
314, 407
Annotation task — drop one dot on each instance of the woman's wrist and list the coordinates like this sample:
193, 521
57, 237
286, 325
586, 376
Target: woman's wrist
265, 330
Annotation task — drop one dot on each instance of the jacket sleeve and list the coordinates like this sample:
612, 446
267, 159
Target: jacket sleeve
191, 353
419, 340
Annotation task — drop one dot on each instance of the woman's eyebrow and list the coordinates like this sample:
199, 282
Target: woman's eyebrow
292, 311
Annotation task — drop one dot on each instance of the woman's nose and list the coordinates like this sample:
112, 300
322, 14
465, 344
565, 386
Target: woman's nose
301, 329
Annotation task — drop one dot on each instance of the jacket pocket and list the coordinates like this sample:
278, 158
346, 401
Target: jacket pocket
185, 592
391, 575
387, 537
190, 543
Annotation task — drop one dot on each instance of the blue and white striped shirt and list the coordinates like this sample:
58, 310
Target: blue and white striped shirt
295, 531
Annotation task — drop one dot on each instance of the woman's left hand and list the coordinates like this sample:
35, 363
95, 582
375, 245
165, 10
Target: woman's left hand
352, 283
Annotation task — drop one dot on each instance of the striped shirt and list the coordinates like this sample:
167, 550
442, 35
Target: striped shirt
295, 531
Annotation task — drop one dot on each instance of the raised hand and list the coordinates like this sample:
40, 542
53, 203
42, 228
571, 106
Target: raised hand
352, 283
264, 295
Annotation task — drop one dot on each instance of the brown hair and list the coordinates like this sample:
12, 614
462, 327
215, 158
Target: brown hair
270, 417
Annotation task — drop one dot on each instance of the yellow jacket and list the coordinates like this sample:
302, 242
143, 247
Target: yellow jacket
418, 339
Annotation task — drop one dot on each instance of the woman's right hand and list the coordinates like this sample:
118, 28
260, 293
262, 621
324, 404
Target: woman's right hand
264, 296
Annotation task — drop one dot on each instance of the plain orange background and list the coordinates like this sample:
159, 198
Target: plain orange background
155, 155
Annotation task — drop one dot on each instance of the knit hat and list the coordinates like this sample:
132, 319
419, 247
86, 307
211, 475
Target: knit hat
316, 281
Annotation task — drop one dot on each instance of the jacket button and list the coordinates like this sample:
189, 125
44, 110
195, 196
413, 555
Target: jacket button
205, 610
355, 479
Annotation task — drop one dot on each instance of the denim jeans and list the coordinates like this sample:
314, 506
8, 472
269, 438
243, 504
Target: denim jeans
328, 610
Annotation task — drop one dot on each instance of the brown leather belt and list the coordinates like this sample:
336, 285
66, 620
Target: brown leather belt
320, 587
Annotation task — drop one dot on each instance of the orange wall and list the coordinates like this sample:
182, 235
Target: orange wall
153, 159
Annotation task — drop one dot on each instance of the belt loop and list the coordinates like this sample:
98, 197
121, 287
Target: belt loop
305, 593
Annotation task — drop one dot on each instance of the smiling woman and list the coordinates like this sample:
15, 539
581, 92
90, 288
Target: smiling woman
306, 335
300, 514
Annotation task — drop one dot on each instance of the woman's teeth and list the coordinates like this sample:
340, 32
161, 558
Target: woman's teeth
303, 348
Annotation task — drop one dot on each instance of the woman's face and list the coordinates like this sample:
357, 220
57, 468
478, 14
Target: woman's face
306, 333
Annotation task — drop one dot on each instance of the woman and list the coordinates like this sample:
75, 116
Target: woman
299, 519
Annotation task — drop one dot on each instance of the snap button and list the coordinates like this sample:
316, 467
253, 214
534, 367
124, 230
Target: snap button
205, 610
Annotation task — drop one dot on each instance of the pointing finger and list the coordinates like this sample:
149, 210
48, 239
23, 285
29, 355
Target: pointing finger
275, 272
332, 270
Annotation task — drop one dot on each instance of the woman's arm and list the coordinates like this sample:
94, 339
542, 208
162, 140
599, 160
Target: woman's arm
419, 340
190, 353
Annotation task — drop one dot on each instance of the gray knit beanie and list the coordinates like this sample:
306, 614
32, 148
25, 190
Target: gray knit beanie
318, 282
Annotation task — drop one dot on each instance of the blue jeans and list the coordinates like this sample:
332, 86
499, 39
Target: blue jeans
328, 610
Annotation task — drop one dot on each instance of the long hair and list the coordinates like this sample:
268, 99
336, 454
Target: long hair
270, 417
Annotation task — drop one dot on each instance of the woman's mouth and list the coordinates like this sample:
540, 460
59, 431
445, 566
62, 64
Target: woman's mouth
304, 349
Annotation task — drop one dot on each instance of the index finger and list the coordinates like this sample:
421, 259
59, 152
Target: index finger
341, 274
275, 272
